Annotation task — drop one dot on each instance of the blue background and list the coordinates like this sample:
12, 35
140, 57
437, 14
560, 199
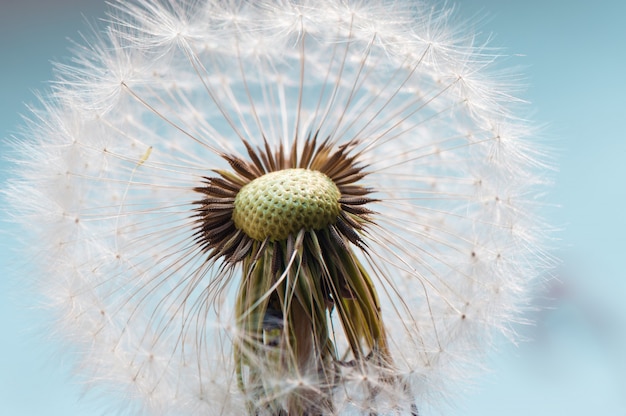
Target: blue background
574, 57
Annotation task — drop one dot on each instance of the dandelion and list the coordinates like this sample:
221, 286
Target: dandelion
280, 207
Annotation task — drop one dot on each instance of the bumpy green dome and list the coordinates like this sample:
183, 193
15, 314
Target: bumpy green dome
284, 202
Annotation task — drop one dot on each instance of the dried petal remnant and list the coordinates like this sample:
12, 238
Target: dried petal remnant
281, 203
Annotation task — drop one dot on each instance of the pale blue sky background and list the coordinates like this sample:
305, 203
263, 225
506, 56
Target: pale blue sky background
574, 54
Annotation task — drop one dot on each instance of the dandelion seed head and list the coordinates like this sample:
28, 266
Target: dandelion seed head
301, 207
